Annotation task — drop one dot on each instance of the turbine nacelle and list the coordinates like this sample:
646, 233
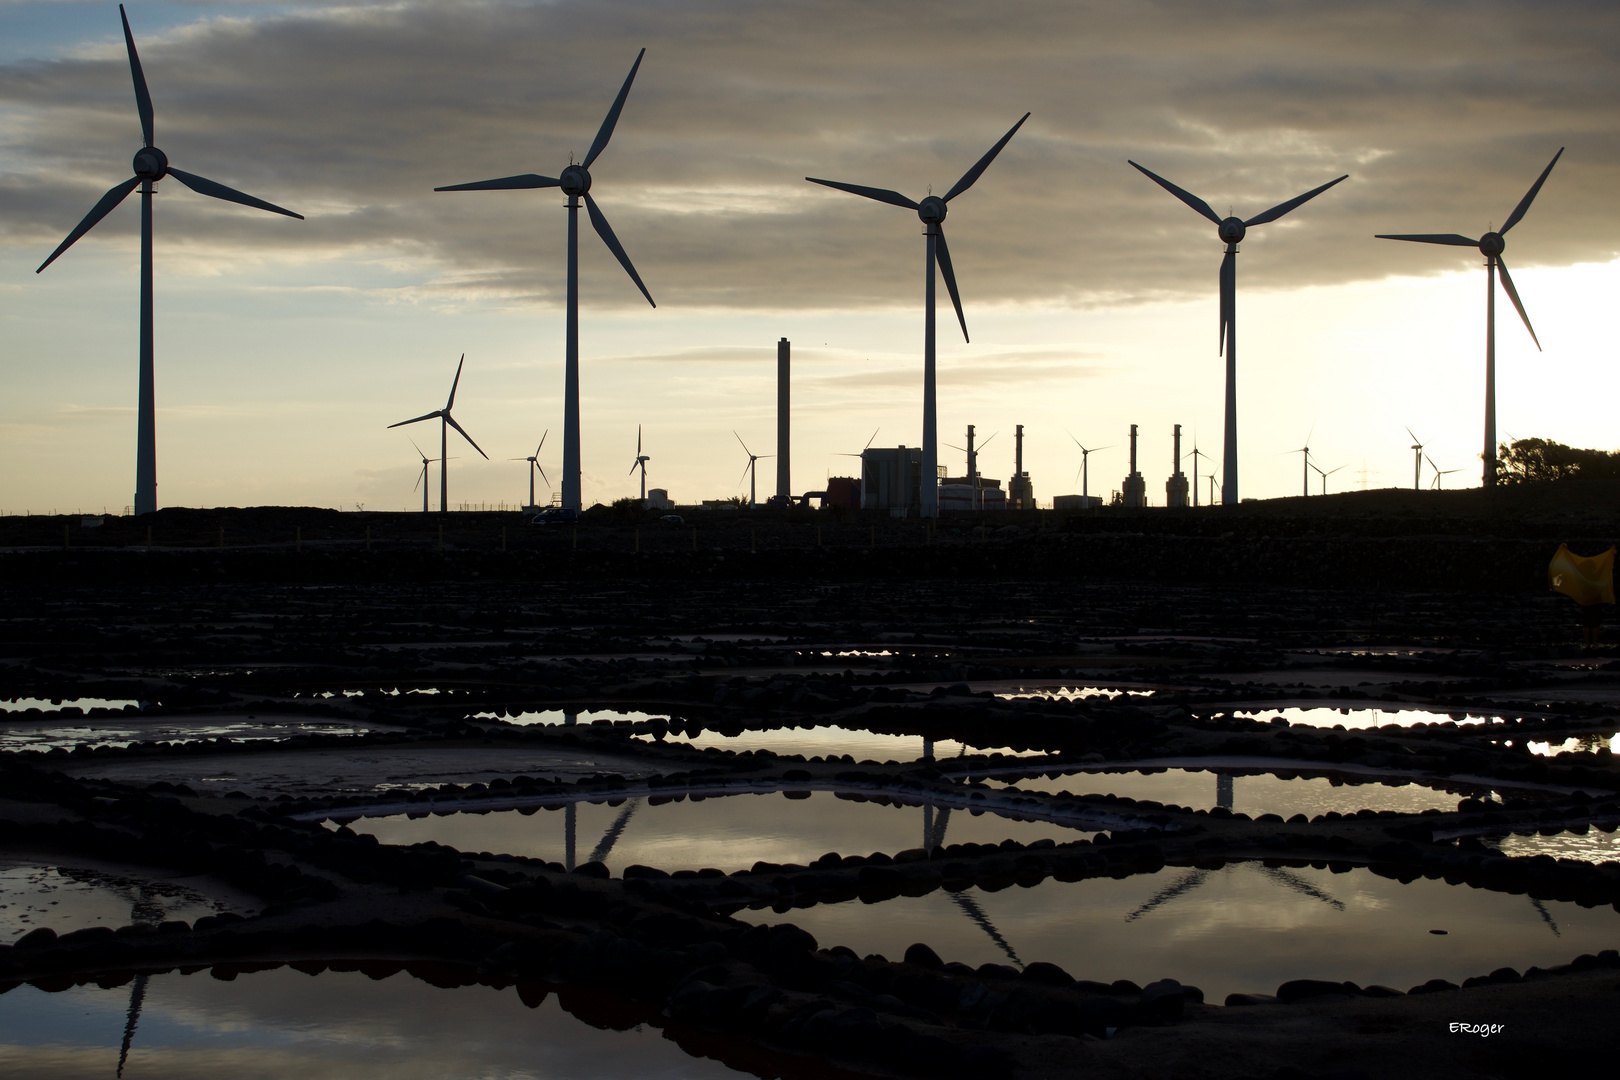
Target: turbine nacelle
151, 164
1492, 244
932, 210
1232, 230
575, 180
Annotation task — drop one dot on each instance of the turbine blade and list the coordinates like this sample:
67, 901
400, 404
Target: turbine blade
1524, 203
606, 131
452, 422
435, 414
203, 186
448, 405
1513, 295
633, 467
505, 183
638, 440
543, 435
1282, 208
742, 444
97, 212
868, 445
143, 97
543, 475
744, 475
1228, 297
605, 231
418, 449
1449, 239
1185, 196
944, 253
893, 198
971, 177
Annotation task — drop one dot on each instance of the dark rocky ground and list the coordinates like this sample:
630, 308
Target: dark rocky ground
1434, 601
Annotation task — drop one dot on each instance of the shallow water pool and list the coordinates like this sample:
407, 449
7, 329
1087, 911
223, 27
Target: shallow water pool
824, 739
1245, 928
728, 833
337, 1025
1362, 719
76, 893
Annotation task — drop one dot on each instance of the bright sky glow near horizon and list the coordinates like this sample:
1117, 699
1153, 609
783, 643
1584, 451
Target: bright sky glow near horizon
285, 348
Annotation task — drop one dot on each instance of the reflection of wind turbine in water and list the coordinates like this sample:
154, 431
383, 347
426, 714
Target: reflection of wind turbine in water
1546, 917
609, 838
1223, 790
934, 836
1194, 878
142, 909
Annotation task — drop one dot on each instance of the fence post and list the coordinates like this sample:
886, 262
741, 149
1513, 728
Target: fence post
503, 537
638, 541
694, 538
818, 536
368, 537
149, 538
64, 536
753, 540
298, 539
873, 543
576, 537
441, 536
222, 538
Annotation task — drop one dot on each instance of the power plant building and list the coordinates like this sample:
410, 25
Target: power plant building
961, 493
891, 479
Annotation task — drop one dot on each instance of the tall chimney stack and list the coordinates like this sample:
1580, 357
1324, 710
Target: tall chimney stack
784, 473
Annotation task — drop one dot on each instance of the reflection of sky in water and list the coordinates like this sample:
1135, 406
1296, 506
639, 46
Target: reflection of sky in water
334, 1026
126, 731
43, 704
1594, 846
827, 739
729, 833
1359, 719
1244, 928
1073, 693
1252, 795
561, 716
66, 898
1584, 743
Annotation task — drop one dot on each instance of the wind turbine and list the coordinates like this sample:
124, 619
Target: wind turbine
972, 453
1491, 246
641, 463
1417, 461
421, 477
1232, 231
1325, 475
748, 470
1196, 454
932, 211
534, 464
1084, 473
1435, 484
1306, 450
151, 165
446, 422
576, 184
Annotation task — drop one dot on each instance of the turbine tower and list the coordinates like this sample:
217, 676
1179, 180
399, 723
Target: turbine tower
576, 184
446, 422
1417, 461
1084, 473
534, 465
641, 463
932, 211
1491, 246
421, 477
151, 165
1232, 231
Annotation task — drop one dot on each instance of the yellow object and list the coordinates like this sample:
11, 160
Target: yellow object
1586, 581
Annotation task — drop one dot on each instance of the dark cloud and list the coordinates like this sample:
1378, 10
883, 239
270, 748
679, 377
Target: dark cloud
1442, 114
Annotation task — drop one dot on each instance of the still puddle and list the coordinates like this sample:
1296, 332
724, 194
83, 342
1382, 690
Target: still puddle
1253, 793
563, 717
1245, 928
1362, 719
825, 739
1073, 693
126, 731
337, 1025
73, 894
727, 833
48, 704
1588, 843
1575, 744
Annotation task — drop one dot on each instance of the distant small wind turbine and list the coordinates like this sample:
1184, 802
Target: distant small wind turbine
535, 466
931, 210
1325, 475
748, 470
151, 165
446, 422
1083, 474
1417, 461
1306, 469
1232, 231
1436, 484
1491, 246
641, 463
421, 477
1196, 454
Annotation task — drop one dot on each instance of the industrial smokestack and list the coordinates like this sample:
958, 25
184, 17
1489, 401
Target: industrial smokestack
1176, 466
784, 473
1018, 451
1133, 448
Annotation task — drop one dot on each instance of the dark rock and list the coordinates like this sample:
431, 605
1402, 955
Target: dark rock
1305, 989
922, 956
1235, 1000
42, 938
1045, 974
1433, 986
1162, 1000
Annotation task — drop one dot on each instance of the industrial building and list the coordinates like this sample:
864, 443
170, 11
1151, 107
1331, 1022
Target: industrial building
961, 493
1175, 488
891, 479
1134, 488
1076, 502
1020, 492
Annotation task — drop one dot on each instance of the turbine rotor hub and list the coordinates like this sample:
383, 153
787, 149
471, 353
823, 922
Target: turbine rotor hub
931, 210
1232, 230
575, 180
151, 163
1492, 244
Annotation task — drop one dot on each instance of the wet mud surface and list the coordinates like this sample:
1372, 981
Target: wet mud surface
1048, 825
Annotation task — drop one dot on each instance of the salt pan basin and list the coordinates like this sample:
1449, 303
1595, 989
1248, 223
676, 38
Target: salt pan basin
825, 739
333, 1026
1245, 928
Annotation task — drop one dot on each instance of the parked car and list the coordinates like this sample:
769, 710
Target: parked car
555, 515
673, 519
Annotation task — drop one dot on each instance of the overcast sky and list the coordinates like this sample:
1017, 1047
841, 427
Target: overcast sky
286, 347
